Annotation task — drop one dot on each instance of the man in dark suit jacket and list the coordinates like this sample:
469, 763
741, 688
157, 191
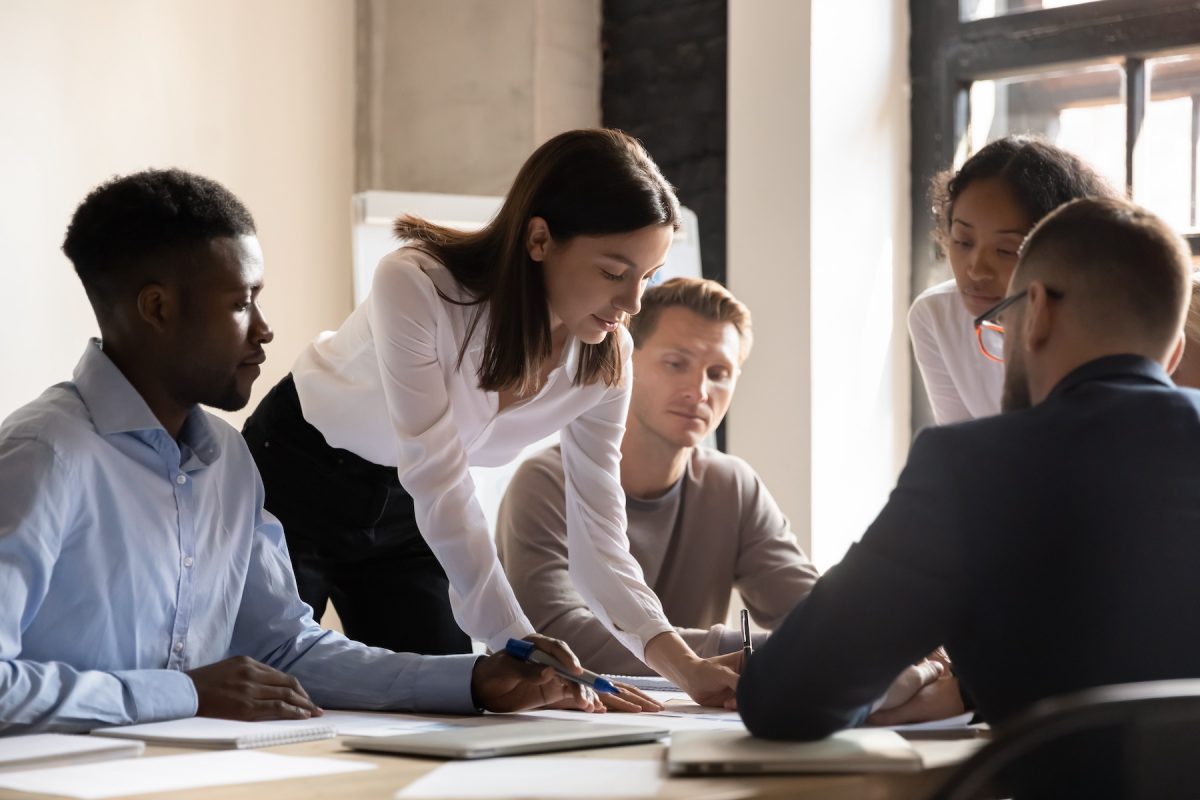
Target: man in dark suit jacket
1050, 548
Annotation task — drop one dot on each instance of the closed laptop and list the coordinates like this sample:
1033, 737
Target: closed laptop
511, 739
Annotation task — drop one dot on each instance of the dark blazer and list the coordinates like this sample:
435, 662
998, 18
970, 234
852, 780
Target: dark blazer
1049, 550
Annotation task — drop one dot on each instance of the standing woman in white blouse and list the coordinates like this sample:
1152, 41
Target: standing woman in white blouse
470, 347
982, 213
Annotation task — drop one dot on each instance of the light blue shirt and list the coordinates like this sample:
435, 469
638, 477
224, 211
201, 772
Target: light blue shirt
127, 557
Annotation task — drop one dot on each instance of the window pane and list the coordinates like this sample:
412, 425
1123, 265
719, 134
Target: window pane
981, 9
1164, 165
1082, 110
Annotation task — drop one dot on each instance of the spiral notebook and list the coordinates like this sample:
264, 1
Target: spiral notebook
222, 733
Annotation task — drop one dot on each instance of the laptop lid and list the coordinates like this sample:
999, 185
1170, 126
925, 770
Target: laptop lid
737, 752
516, 738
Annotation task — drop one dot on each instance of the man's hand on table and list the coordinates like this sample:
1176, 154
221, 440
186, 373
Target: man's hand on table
244, 689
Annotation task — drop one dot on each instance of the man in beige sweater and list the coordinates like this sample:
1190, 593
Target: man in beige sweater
700, 521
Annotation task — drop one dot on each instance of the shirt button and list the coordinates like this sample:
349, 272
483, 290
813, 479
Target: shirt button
181, 479
179, 647
187, 562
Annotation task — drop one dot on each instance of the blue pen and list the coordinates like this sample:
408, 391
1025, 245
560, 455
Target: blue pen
525, 651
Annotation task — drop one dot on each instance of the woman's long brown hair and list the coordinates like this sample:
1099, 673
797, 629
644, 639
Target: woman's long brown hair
590, 182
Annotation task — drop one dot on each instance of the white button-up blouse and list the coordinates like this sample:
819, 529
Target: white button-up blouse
387, 386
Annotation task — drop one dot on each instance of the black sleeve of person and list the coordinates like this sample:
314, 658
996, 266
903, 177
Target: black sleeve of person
890, 602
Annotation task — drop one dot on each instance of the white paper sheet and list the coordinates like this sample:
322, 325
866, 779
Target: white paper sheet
356, 723
676, 722
647, 682
40, 750
689, 710
666, 697
537, 778
172, 773
936, 753
960, 721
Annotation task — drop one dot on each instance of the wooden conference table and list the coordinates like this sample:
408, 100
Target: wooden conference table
394, 772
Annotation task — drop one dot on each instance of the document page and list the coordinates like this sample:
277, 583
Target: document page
172, 773
538, 778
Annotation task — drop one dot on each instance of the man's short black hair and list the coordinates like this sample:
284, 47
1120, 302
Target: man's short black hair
1129, 271
129, 219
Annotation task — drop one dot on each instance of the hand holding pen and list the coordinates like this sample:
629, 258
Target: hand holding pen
502, 683
747, 647
542, 650
571, 670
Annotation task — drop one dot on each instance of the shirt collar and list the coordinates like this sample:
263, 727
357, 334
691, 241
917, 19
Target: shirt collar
1128, 366
116, 407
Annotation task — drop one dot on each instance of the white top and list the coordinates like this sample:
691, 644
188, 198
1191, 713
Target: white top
961, 382
386, 386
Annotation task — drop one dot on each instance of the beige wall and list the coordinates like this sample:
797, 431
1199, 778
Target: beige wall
258, 95
454, 96
818, 248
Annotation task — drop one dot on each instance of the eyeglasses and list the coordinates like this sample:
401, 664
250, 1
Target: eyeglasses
990, 333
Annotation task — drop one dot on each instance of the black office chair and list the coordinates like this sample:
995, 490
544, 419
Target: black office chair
1151, 735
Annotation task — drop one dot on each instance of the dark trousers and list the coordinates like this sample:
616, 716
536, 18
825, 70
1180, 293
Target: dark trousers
352, 534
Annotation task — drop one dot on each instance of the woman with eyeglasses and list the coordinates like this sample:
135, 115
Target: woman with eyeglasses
470, 347
982, 213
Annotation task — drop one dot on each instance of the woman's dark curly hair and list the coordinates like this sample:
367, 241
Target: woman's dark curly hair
1042, 175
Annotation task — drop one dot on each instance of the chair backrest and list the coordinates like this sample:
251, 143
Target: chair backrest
1155, 726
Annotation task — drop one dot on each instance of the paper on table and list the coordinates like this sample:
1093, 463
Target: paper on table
351, 723
960, 721
665, 697
670, 722
647, 682
44, 749
172, 773
537, 778
936, 754
687, 708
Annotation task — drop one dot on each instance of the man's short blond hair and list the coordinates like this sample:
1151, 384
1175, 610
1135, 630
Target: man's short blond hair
709, 299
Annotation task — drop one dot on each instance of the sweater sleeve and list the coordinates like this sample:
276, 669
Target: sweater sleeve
773, 573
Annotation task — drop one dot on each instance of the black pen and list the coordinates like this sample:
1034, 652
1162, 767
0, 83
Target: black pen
747, 648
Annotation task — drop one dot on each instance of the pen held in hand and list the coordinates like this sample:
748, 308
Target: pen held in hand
747, 647
525, 651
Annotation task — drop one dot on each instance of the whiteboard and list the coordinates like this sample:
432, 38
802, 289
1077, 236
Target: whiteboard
373, 213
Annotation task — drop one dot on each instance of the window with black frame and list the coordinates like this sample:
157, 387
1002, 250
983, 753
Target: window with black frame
1114, 81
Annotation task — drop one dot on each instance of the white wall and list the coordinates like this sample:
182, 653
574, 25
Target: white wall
258, 95
770, 241
818, 244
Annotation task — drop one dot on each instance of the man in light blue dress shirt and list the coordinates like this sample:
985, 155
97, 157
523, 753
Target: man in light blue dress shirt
140, 578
